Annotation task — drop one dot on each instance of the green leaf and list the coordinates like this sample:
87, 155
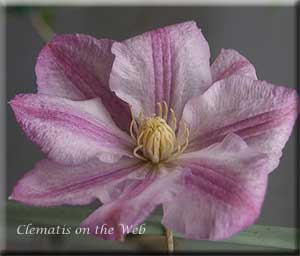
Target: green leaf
255, 238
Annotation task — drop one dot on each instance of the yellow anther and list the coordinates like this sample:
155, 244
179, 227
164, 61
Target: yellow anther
173, 122
155, 137
140, 119
166, 112
136, 154
131, 129
159, 109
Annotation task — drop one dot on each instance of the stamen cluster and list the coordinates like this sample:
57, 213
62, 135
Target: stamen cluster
155, 136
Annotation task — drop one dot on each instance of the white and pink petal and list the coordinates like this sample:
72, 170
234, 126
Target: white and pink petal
77, 67
50, 183
230, 62
137, 201
261, 113
168, 64
70, 132
224, 187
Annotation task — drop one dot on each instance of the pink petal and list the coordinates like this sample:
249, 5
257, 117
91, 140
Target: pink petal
135, 204
230, 62
171, 64
261, 113
77, 67
70, 132
224, 187
51, 184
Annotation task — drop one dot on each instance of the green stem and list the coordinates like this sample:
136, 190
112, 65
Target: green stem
170, 241
42, 28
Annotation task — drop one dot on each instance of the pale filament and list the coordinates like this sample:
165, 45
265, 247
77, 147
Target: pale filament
155, 136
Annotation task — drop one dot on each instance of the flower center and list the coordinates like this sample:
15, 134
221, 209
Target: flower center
155, 136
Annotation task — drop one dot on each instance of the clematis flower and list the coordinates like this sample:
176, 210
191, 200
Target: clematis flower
149, 122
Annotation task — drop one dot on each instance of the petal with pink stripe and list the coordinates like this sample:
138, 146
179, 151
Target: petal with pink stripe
224, 187
77, 67
168, 64
50, 183
135, 204
230, 62
70, 132
261, 113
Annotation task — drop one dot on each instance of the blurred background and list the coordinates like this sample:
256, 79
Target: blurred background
265, 35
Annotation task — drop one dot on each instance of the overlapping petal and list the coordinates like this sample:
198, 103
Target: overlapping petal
70, 132
77, 67
50, 183
261, 113
137, 201
230, 62
169, 64
224, 187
